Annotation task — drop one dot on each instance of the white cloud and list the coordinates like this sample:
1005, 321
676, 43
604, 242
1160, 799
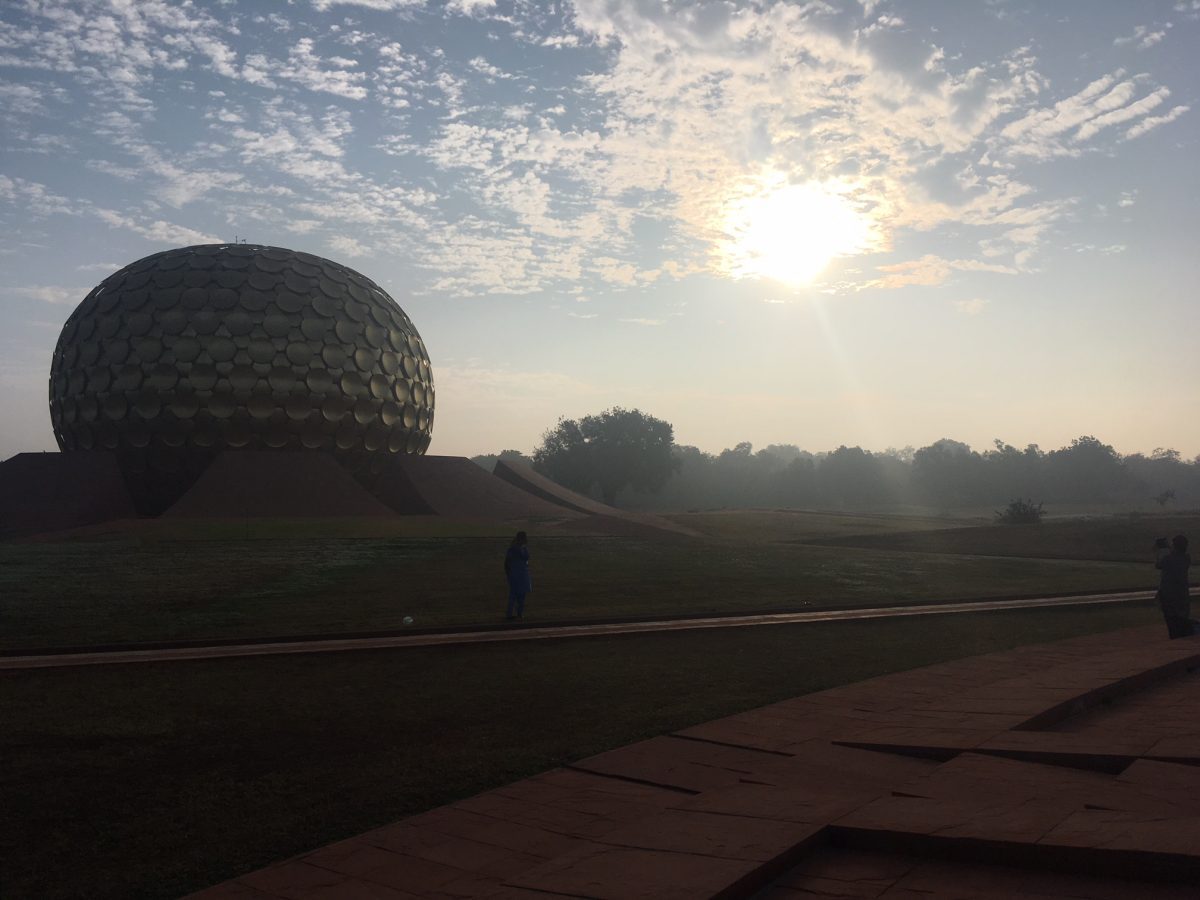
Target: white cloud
932, 270
483, 67
158, 231
972, 307
1063, 128
469, 7
35, 199
381, 5
305, 67
348, 246
1143, 36
490, 189
1154, 121
52, 294
648, 322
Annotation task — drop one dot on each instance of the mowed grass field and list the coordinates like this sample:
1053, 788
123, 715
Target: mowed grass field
198, 580
1112, 538
153, 780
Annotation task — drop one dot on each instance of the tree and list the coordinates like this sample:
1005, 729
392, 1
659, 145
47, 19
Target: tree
947, 472
1020, 512
489, 460
614, 449
1088, 471
851, 476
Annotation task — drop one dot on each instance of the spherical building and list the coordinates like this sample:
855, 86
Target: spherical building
189, 352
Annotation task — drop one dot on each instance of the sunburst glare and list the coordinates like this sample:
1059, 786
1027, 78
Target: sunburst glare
792, 232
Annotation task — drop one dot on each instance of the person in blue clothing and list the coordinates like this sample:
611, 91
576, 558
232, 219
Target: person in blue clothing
516, 570
1173, 561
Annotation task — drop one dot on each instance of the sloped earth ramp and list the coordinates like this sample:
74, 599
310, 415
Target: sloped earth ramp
527, 479
52, 491
276, 484
454, 486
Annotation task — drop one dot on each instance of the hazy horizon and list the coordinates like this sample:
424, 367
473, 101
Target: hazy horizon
871, 224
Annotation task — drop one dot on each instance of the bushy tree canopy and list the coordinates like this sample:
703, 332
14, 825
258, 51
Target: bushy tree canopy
612, 450
946, 475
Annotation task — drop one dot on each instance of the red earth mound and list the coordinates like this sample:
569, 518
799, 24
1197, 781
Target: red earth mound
276, 484
51, 491
454, 486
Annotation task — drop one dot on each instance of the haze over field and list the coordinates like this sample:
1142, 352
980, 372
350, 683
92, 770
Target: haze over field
872, 223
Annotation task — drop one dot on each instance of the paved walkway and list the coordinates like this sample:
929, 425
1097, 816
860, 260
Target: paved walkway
527, 633
1062, 770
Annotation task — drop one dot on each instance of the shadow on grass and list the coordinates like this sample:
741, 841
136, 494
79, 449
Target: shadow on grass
157, 779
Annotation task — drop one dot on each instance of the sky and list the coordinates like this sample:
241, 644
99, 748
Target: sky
864, 223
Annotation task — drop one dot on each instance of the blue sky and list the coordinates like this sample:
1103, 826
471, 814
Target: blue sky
864, 223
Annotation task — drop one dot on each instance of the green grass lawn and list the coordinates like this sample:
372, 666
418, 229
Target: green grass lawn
87, 592
152, 780
797, 525
1113, 538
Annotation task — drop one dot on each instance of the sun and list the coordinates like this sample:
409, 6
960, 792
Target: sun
792, 232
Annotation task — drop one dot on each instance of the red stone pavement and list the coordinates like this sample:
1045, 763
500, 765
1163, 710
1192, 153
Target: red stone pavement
1060, 770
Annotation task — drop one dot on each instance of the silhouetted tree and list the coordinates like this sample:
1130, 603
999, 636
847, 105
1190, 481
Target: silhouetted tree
1020, 512
489, 460
785, 453
565, 457
1087, 471
947, 472
850, 476
612, 450
1164, 497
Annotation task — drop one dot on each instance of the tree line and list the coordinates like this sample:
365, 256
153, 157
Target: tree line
630, 459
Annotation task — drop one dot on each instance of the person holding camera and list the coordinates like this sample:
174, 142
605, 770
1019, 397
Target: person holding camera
1172, 560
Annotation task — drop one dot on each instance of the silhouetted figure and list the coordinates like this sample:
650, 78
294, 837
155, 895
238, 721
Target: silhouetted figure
1173, 598
516, 570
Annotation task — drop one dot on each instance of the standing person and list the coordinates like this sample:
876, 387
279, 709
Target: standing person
1173, 585
516, 570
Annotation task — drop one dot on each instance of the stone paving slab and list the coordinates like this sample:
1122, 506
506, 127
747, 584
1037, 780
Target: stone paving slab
846, 873
931, 783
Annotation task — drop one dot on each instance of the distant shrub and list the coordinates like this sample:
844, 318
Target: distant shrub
1020, 512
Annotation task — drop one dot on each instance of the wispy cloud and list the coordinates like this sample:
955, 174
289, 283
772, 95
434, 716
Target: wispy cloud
487, 179
1143, 37
933, 270
1066, 128
53, 294
158, 230
385, 5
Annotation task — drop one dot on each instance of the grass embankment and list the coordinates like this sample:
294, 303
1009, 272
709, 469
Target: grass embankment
88, 592
152, 780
